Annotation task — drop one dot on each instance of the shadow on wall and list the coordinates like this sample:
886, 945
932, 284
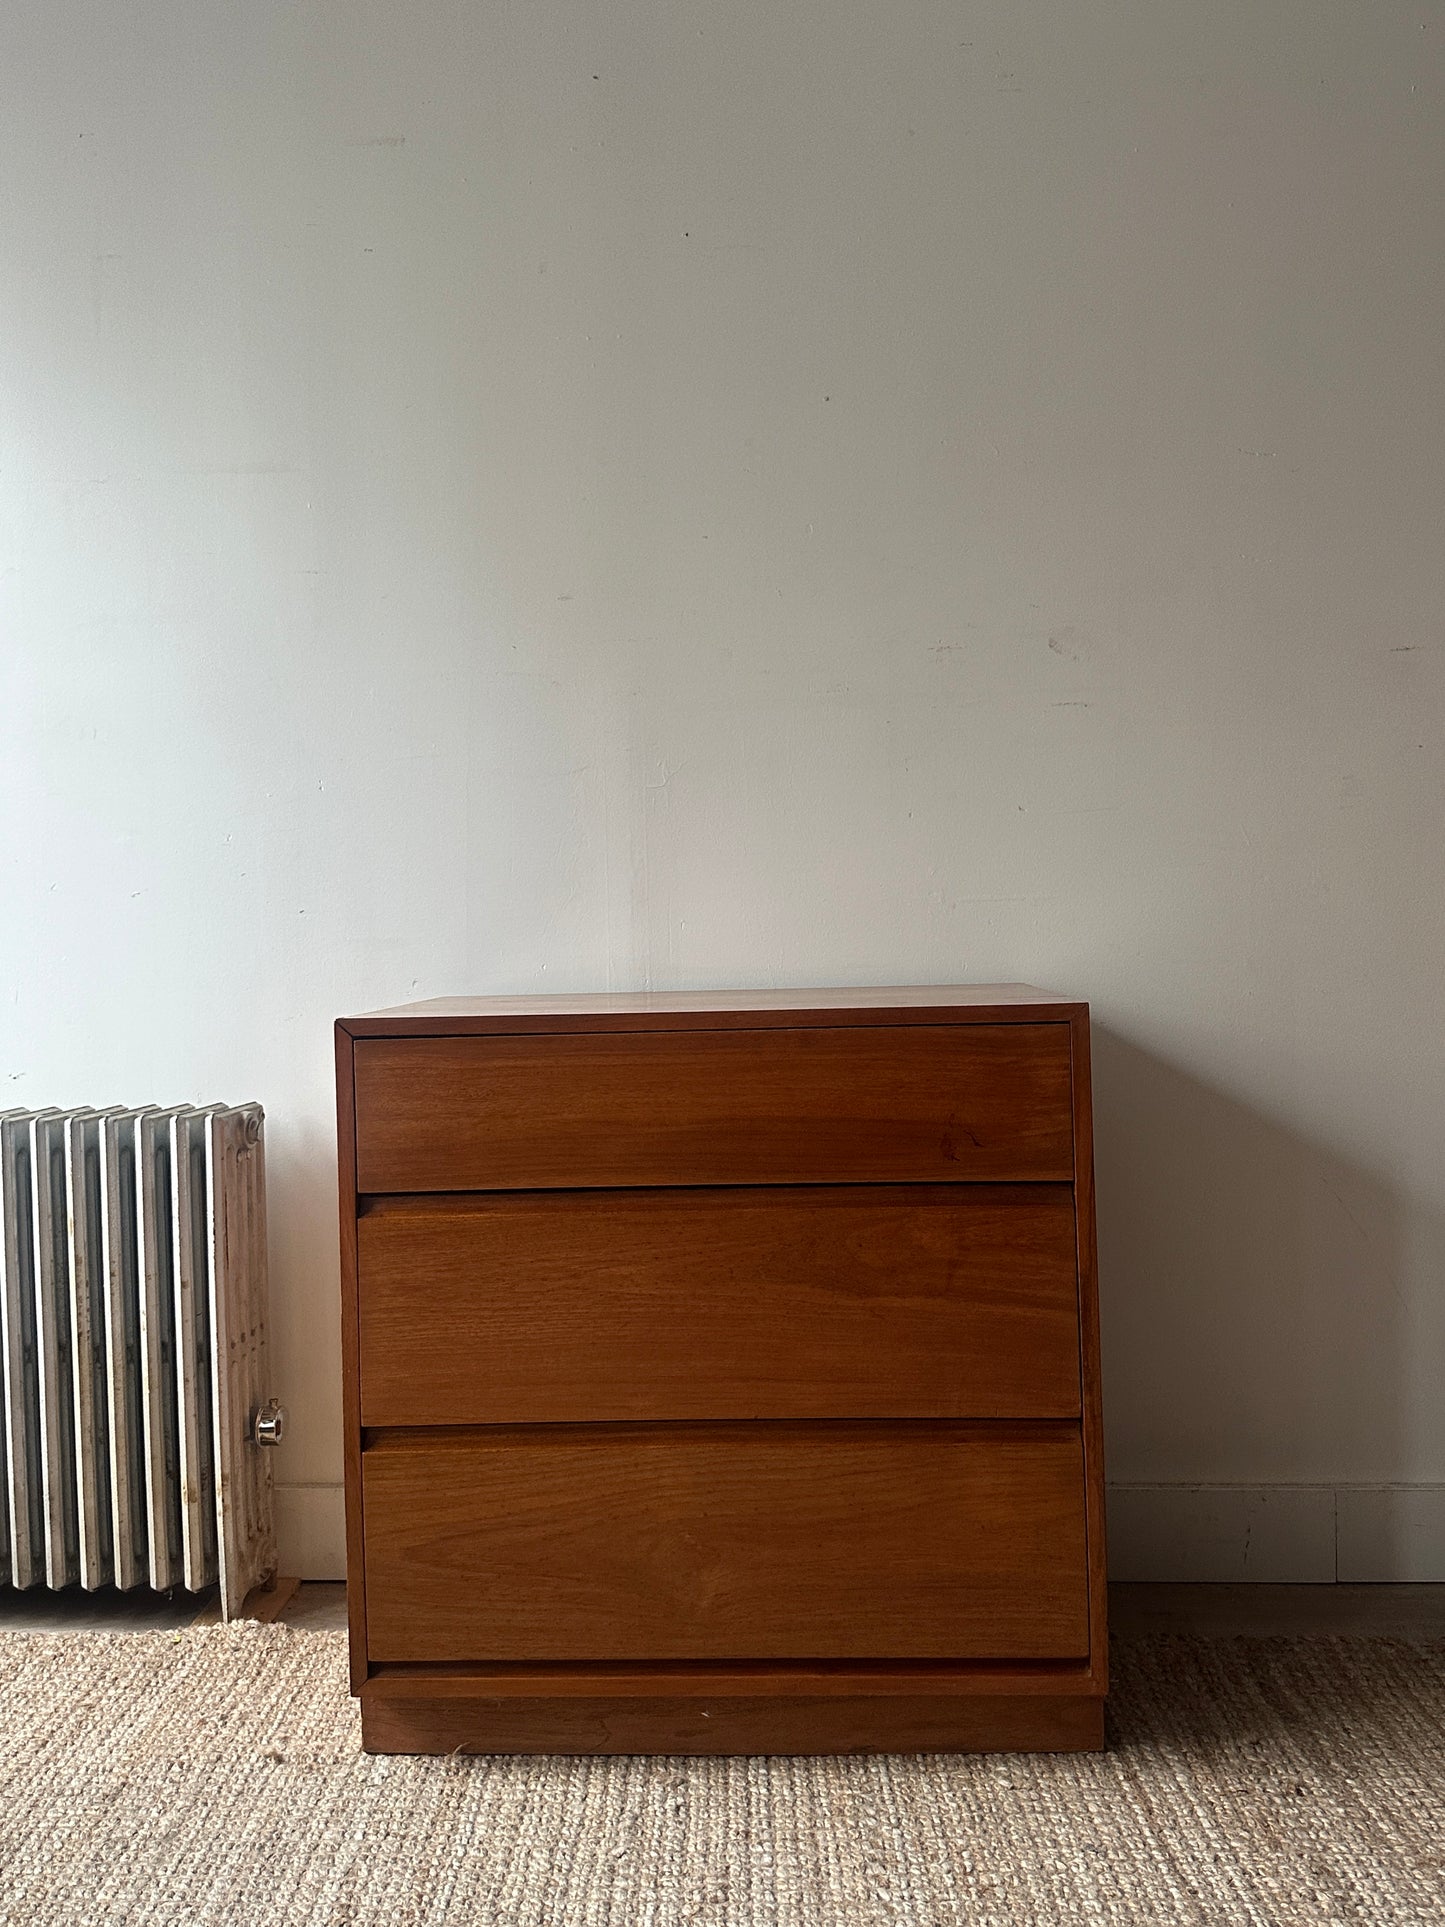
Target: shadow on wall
1251, 1303
306, 1310
1257, 1357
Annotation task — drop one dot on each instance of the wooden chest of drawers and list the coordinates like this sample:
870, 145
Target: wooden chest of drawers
721, 1373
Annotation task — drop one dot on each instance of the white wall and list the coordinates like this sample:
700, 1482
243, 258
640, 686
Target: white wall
502, 497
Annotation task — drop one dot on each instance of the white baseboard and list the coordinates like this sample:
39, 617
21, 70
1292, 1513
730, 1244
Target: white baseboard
1285, 1534
1278, 1533
1391, 1532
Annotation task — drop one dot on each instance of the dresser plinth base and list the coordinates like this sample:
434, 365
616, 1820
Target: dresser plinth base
461, 1714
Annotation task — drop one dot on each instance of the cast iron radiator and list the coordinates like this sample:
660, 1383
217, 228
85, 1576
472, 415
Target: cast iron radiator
134, 1399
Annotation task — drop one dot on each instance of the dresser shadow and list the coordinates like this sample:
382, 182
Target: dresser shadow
1252, 1292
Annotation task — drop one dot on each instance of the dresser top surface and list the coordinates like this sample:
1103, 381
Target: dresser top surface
718, 1010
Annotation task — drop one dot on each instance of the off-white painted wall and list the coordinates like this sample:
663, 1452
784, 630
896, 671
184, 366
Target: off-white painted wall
506, 497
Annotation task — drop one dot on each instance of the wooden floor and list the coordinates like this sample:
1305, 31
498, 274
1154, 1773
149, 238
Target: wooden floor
1398, 1612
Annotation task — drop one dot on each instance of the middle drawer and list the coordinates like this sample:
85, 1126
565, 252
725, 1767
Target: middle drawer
877, 1301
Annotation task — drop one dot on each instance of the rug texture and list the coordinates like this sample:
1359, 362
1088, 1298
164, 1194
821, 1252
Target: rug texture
216, 1776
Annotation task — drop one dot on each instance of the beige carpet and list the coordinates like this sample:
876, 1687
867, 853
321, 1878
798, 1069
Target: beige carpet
215, 1776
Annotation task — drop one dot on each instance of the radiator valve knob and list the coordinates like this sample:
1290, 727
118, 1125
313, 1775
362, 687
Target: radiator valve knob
268, 1427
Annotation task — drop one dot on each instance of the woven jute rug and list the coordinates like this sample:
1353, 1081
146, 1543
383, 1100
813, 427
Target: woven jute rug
215, 1775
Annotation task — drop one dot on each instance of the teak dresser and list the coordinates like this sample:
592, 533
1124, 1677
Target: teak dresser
721, 1373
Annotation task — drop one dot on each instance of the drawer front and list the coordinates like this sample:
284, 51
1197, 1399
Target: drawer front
726, 1542
908, 1103
927, 1301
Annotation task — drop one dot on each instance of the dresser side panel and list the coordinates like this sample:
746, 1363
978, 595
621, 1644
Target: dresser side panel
1090, 1372
350, 1356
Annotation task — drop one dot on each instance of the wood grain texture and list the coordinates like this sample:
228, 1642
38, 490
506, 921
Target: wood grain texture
934, 1103
846, 1301
413, 1720
717, 1541
350, 1359
716, 1010
563, 1586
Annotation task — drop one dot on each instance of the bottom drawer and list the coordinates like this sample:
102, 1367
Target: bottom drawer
719, 1541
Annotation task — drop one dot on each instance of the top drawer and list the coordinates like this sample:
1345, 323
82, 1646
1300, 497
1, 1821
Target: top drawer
884, 1104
